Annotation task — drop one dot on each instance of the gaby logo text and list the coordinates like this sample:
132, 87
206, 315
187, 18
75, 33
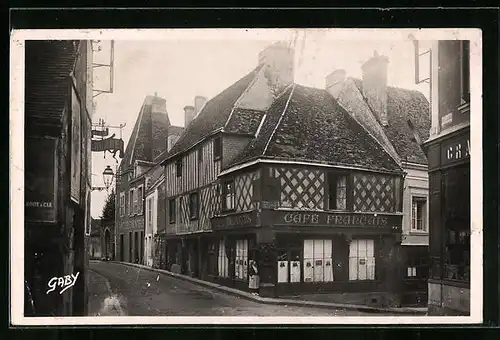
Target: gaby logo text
64, 282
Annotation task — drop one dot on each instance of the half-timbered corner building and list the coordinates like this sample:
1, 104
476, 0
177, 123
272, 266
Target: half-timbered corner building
282, 174
147, 143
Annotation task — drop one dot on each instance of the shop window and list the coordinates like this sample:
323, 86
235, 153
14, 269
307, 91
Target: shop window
337, 191
457, 256
193, 206
318, 261
241, 261
289, 267
361, 260
457, 224
419, 214
228, 195
171, 210
223, 261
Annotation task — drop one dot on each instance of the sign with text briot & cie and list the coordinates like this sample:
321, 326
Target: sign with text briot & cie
40, 180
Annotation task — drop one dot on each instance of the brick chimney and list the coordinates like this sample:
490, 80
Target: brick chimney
189, 113
335, 82
199, 102
278, 59
375, 85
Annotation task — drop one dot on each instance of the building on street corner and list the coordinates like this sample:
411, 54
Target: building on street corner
58, 113
449, 179
294, 178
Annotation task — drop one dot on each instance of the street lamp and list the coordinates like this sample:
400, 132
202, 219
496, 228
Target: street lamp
107, 176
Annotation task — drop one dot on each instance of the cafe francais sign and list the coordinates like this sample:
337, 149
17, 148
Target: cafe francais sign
335, 219
234, 221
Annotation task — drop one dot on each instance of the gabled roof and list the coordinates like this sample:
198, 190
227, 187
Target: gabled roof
404, 105
49, 64
213, 116
307, 124
147, 140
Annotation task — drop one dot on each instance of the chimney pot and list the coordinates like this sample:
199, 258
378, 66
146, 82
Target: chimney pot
278, 58
375, 85
199, 101
189, 113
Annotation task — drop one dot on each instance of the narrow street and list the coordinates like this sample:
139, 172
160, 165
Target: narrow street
138, 292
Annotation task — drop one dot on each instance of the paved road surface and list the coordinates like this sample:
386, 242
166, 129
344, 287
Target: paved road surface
139, 292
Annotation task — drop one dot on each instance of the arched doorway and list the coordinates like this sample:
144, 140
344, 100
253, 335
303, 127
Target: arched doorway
107, 243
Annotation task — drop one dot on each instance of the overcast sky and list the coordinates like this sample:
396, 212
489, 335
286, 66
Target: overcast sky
178, 70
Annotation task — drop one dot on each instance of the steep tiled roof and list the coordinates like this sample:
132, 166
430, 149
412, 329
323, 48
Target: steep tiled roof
48, 66
147, 140
213, 116
403, 104
244, 121
315, 128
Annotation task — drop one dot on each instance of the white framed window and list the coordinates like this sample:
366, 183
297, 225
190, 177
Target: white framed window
149, 215
140, 200
318, 261
122, 203
411, 272
418, 214
241, 261
131, 202
222, 260
362, 260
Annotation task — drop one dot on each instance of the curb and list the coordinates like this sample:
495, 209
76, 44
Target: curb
116, 306
278, 301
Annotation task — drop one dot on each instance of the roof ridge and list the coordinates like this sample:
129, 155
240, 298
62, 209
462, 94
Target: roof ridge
250, 84
279, 121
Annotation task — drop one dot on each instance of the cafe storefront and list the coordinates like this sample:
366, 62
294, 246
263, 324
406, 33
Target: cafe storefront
352, 256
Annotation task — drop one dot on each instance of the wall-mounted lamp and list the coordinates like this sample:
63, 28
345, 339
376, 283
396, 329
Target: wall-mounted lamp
107, 176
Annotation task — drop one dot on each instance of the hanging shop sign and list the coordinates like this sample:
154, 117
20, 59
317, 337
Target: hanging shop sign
335, 219
40, 180
110, 144
234, 221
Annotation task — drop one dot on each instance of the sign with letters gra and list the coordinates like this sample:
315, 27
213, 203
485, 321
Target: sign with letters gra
40, 180
456, 149
301, 218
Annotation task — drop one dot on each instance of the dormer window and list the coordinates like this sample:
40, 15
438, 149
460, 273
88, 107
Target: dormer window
178, 167
217, 148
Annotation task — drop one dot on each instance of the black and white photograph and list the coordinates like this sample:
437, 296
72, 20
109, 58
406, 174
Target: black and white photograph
168, 176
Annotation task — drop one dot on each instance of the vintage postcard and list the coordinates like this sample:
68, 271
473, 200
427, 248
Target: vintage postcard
246, 176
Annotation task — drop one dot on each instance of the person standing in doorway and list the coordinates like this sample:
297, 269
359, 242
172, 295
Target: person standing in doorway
253, 282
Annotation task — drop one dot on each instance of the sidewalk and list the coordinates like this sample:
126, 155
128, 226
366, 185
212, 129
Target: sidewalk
283, 301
